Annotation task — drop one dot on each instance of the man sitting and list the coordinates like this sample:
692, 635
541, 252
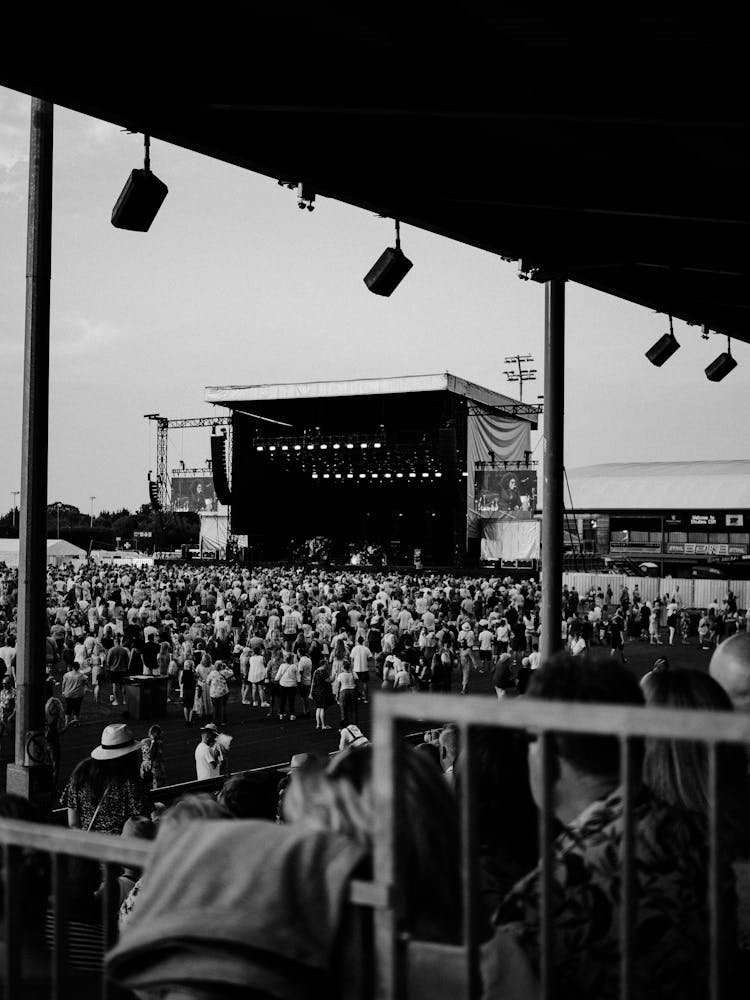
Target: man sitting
669, 943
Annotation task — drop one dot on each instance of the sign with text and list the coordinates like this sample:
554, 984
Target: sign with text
706, 549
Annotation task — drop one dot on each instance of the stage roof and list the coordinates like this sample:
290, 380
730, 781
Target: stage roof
233, 395
633, 486
609, 144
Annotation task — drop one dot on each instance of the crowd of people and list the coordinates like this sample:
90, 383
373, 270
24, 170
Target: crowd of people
297, 642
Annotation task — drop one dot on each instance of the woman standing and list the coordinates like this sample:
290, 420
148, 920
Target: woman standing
152, 758
321, 695
256, 677
287, 677
218, 691
97, 670
203, 710
338, 658
187, 689
345, 692
105, 789
163, 658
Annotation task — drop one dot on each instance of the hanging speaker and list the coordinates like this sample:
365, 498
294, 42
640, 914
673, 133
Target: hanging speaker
153, 494
388, 271
721, 367
662, 350
219, 469
139, 201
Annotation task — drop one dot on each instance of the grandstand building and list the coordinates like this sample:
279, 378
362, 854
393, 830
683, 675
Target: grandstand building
674, 514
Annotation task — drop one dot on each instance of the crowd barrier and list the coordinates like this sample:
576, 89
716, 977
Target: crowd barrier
696, 594
406, 968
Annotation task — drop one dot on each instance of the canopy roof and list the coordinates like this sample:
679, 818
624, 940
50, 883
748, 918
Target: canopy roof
661, 485
230, 395
607, 146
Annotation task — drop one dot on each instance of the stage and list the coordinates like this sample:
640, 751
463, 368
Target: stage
382, 463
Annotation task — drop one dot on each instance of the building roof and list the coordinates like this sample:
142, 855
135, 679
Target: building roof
661, 485
610, 149
232, 395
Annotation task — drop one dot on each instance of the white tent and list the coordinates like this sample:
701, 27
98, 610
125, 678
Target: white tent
58, 551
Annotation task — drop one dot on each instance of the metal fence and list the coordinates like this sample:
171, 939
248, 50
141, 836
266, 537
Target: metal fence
407, 968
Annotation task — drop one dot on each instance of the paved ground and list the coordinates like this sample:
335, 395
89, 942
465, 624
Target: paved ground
260, 741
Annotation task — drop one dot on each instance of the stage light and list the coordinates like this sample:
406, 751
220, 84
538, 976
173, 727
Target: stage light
412, 475
722, 366
259, 447
323, 447
285, 447
425, 475
664, 348
350, 475
363, 445
349, 445
438, 475
315, 475
311, 447
390, 268
298, 447
387, 475
141, 198
464, 474
272, 447
374, 475
377, 445
399, 475
337, 446
337, 475
326, 475
362, 475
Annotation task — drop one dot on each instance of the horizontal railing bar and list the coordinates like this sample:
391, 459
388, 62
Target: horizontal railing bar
567, 717
75, 843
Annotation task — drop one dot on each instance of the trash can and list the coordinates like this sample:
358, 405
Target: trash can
146, 697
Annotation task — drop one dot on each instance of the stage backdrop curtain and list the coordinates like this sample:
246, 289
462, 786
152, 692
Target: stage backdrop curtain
506, 436
214, 532
509, 540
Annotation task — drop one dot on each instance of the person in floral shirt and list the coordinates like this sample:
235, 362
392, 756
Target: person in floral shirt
670, 940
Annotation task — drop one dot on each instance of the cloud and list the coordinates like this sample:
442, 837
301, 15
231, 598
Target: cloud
14, 145
77, 340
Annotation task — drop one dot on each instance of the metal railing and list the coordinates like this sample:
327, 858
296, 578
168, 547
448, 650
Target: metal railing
405, 967
396, 955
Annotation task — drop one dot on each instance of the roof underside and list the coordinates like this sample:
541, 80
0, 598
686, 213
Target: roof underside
643, 486
231, 395
603, 143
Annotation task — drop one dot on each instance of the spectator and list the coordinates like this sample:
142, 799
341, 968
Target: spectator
209, 754
287, 677
73, 690
106, 789
670, 865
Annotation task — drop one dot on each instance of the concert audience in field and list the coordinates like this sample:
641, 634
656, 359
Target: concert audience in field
302, 643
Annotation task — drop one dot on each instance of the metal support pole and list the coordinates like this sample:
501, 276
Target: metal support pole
552, 498
30, 776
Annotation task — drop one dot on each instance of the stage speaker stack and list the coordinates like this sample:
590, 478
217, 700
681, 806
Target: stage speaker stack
387, 271
219, 469
153, 494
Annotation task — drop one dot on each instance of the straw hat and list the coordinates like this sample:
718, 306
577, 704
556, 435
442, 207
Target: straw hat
298, 760
117, 740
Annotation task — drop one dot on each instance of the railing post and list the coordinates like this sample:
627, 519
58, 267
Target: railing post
552, 496
30, 775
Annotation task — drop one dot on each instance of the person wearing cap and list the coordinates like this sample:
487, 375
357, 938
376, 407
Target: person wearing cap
106, 789
209, 754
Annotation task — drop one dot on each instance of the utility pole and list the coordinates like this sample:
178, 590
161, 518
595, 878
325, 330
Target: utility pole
14, 494
520, 374
91, 522
30, 775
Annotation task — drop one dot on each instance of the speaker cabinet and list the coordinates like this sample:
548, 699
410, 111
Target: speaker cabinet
662, 350
721, 367
219, 469
139, 201
386, 273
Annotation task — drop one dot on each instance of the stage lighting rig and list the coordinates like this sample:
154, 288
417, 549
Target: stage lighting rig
141, 198
722, 366
389, 269
664, 348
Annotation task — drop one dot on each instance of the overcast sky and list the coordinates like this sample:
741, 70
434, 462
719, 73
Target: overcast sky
233, 284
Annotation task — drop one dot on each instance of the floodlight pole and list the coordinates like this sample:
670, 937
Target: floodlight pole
30, 775
552, 496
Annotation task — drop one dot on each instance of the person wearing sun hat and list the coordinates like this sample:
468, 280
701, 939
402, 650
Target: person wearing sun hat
106, 788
